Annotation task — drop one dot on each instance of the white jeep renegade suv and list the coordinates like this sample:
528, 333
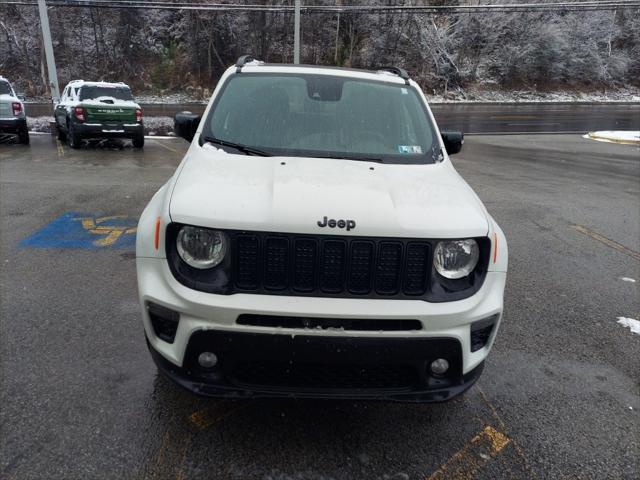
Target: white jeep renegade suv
316, 241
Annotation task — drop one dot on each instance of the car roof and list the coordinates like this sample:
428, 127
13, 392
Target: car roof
246, 63
82, 83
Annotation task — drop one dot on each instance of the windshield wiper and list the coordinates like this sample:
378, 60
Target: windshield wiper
356, 158
241, 148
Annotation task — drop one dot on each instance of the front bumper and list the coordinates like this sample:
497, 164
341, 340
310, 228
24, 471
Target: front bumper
109, 130
12, 125
209, 322
266, 365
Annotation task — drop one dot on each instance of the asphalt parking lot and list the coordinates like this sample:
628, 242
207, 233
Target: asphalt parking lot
559, 398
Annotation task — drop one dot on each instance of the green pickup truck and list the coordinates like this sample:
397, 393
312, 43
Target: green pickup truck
98, 110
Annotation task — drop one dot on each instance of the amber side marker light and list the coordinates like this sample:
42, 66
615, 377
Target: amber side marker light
495, 246
156, 237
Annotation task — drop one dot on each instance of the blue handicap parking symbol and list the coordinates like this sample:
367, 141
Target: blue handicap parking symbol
85, 230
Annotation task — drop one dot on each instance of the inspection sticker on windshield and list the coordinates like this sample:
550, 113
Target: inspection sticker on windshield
409, 149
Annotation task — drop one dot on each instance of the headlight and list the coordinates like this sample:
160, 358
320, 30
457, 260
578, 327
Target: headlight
455, 259
201, 247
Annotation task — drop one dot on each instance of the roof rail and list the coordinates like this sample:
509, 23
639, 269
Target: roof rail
401, 72
242, 61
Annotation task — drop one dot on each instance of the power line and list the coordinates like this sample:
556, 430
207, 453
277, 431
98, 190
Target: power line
356, 9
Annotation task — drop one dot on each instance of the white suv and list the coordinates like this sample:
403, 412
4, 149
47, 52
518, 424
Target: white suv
317, 241
13, 119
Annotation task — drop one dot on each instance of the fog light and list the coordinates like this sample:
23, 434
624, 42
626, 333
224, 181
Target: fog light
207, 360
439, 366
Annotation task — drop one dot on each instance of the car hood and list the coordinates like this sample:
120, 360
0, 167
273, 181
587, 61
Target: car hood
292, 194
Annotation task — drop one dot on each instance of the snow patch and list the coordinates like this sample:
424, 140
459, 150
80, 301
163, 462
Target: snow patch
106, 101
39, 124
209, 146
627, 279
156, 126
631, 323
472, 95
616, 136
476, 95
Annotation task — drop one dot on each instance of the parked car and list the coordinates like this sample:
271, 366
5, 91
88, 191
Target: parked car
317, 241
13, 119
98, 110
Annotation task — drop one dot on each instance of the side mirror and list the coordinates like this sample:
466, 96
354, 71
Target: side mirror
453, 141
21, 97
185, 125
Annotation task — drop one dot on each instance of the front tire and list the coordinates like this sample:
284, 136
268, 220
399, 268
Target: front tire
74, 136
138, 141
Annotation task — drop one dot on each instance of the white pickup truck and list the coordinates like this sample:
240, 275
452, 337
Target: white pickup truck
316, 241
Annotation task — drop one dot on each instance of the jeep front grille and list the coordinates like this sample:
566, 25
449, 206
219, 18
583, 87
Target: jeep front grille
290, 264
330, 266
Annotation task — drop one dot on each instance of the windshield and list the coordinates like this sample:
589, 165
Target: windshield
119, 93
323, 116
5, 88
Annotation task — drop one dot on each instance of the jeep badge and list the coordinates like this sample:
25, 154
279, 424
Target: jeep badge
333, 223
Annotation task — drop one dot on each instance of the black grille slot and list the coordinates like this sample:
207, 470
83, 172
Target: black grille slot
305, 261
247, 272
388, 268
276, 263
333, 266
360, 267
416, 270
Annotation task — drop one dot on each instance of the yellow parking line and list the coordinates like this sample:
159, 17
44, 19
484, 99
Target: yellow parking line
167, 147
206, 417
60, 148
183, 456
519, 450
160, 457
607, 241
467, 461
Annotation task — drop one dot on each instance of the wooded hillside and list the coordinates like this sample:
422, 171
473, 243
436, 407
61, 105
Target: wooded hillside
160, 50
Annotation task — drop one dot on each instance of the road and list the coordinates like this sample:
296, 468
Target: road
481, 118
81, 398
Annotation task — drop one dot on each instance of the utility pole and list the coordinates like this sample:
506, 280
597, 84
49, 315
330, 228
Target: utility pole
296, 34
48, 50
335, 55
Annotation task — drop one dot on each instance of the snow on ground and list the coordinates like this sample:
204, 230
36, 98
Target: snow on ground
39, 124
154, 126
622, 95
631, 323
158, 125
178, 97
622, 136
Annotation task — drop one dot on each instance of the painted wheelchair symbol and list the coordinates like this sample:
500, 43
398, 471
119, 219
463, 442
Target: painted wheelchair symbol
110, 228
